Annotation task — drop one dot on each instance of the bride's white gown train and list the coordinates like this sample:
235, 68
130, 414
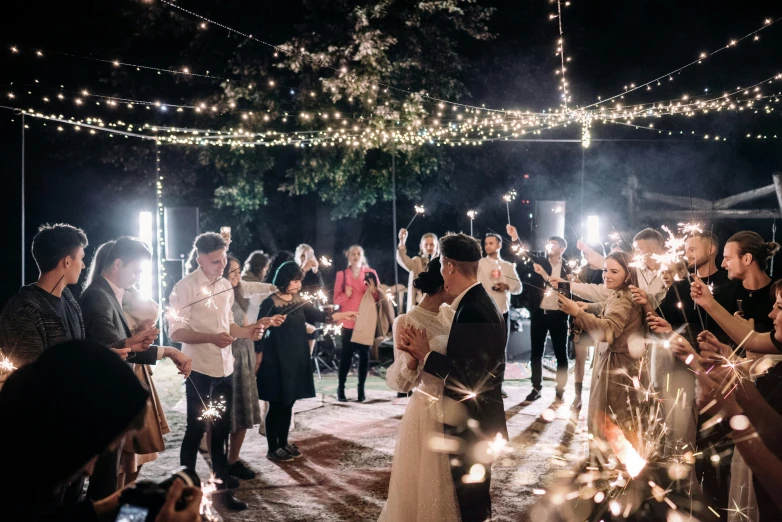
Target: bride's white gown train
421, 487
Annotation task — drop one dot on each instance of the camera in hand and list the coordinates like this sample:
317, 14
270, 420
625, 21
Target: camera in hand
143, 500
563, 287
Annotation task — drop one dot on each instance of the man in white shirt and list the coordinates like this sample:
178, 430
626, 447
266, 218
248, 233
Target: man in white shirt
499, 279
202, 321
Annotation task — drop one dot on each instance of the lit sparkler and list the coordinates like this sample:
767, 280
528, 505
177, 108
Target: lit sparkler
6, 366
497, 446
507, 198
688, 229
419, 209
213, 410
325, 261
207, 509
332, 329
390, 297
172, 315
614, 237
210, 297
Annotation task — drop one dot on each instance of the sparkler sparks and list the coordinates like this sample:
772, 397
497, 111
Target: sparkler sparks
688, 229
419, 210
325, 261
332, 329
390, 297
510, 196
206, 509
497, 446
172, 315
6, 366
210, 297
213, 410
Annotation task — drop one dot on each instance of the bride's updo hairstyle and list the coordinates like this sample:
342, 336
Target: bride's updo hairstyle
431, 281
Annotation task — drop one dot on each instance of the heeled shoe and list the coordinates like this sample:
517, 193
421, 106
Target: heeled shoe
361, 396
341, 394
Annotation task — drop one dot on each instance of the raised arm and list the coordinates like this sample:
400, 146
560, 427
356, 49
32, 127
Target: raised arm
737, 328
590, 292
252, 288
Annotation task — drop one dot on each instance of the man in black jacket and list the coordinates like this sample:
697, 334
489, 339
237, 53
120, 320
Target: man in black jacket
546, 317
473, 411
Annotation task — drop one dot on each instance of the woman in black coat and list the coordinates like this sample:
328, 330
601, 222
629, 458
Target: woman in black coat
285, 375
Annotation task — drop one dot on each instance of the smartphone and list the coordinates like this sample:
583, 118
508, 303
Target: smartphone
563, 287
128, 513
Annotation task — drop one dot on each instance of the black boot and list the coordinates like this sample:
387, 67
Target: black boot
341, 393
361, 396
576, 406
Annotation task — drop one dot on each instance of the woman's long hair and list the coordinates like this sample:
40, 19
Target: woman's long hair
421, 250
99, 262
364, 262
625, 260
242, 301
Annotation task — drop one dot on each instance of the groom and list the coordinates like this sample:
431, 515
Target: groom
473, 411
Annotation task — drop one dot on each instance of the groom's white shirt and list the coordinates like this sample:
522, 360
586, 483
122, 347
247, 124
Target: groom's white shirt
455, 305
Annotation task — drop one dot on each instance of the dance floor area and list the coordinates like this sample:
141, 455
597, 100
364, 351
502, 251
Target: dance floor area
349, 448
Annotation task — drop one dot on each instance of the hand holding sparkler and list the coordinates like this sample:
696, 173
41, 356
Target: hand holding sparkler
414, 341
512, 232
639, 295
122, 352
658, 324
541, 271
682, 348
222, 339
273, 321
701, 293
711, 348
141, 340
402, 236
419, 209
182, 361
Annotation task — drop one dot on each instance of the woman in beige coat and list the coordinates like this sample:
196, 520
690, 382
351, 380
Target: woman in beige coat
620, 377
428, 249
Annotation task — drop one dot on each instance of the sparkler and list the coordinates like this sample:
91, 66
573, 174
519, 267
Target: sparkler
507, 198
390, 297
210, 297
332, 329
213, 410
206, 509
173, 315
6, 366
325, 261
419, 209
471, 214
688, 229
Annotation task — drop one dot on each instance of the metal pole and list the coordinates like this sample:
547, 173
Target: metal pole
160, 268
24, 243
393, 213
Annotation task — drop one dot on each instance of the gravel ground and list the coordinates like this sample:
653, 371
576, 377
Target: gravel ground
349, 448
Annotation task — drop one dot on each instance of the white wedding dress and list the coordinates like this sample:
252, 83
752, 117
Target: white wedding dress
421, 487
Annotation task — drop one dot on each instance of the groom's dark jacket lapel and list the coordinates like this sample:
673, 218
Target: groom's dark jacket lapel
475, 360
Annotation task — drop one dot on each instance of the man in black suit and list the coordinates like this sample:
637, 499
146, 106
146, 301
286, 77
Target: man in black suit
473, 411
116, 267
546, 317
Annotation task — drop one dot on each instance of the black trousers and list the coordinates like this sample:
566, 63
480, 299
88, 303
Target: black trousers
474, 497
346, 359
506, 318
200, 389
278, 424
554, 323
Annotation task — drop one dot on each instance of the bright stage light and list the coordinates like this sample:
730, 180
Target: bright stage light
146, 232
593, 229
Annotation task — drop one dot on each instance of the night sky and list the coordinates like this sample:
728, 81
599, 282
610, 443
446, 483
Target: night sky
612, 44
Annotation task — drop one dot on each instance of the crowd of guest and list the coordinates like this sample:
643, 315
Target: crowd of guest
247, 333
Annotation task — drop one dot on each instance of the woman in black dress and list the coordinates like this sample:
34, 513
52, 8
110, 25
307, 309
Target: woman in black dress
285, 375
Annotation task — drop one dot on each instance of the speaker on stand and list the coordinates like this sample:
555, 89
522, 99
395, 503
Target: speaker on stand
180, 230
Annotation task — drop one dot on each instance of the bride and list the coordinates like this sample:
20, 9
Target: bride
421, 487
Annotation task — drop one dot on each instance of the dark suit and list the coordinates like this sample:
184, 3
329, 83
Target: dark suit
475, 362
104, 323
546, 322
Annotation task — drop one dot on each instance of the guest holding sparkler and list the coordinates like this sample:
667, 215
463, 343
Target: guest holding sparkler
246, 412
305, 258
116, 268
546, 318
285, 375
618, 326
349, 289
500, 279
428, 248
203, 323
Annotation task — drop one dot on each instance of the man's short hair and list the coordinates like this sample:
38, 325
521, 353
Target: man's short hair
463, 251
711, 237
495, 236
128, 249
650, 234
209, 242
54, 242
560, 240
